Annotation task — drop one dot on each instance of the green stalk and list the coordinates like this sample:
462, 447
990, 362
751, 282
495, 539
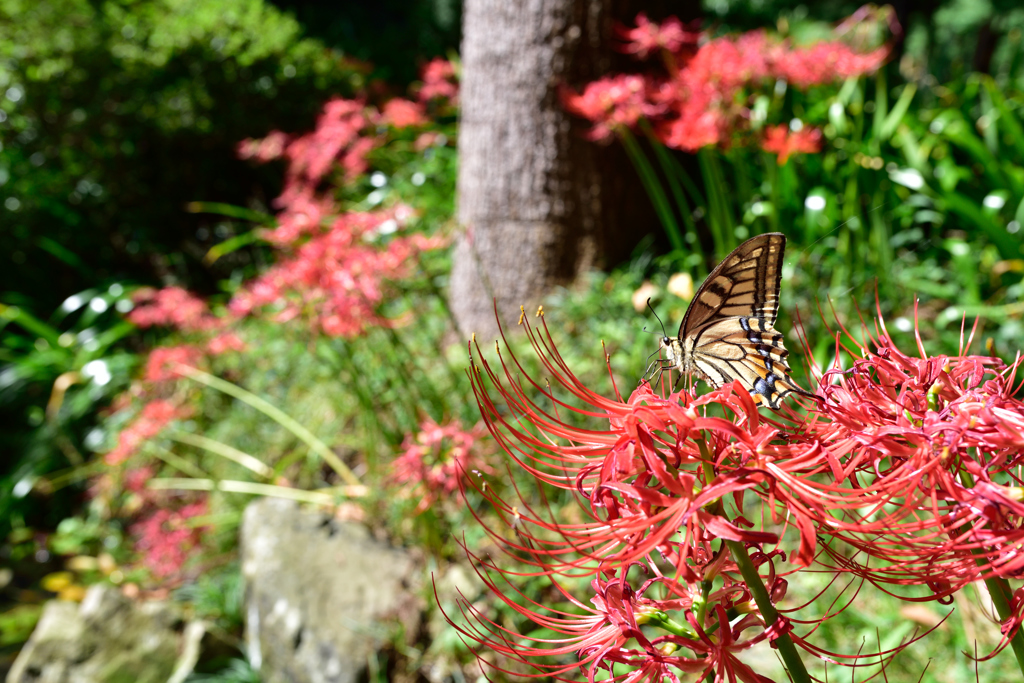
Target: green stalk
434, 395
999, 590
16, 314
753, 580
407, 393
453, 377
764, 603
654, 189
344, 355
771, 168
247, 487
176, 461
718, 213
883, 241
216, 447
276, 414
672, 170
881, 106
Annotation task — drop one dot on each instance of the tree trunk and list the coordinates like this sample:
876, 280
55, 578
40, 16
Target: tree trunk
540, 204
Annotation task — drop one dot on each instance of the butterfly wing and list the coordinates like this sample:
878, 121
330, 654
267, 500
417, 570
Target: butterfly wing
746, 283
728, 331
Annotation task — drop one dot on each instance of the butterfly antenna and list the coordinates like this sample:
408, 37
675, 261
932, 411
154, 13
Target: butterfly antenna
656, 316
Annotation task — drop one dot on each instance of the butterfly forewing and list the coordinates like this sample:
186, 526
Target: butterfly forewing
746, 283
728, 331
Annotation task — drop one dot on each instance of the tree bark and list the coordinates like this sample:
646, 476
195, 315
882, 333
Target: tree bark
540, 204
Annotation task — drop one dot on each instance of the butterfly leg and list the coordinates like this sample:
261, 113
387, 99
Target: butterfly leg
649, 371
678, 379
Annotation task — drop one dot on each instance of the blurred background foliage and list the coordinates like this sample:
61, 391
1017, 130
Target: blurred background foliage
116, 115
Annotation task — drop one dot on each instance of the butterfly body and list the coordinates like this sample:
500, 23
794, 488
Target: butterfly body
728, 331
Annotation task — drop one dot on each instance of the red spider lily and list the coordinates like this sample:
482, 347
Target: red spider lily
224, 342
616, 628
336, 278
166, 538
171, 307
826, 62
335, 263
611, 103
926, 481
703, 100
662, 482
648, 37
264, 149
439, 82
403, 113
779, 140
344, 134
152, 420
339, 133
435, 459
644, 477
160, 366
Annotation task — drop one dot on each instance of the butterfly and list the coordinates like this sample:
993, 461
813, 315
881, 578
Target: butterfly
728, 331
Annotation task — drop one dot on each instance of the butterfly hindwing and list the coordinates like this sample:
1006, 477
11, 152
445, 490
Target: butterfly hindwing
748, 349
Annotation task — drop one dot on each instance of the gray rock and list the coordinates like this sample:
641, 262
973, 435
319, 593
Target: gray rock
108, 638
322, 596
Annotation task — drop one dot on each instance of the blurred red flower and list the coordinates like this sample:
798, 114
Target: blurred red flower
779, 140
166, 538
703, 96
171, 307
439, 82
435, 459
152, 420
403, 113
162, 361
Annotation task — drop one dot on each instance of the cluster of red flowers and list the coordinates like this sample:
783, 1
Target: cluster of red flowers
171, 307
784, 143
336, 276
440, 84
910, 461
166, 538
154, 416
435, 459
334, 263
924, 454
346, 132
701, 97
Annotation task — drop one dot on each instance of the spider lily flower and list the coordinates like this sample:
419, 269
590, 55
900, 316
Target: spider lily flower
643, 478
662, 482
617, 628
702, 97
926, 476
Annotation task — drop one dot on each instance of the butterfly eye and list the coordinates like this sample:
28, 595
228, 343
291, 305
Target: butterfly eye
665, 341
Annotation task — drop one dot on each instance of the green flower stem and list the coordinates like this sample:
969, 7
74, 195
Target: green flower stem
764, 603
753, 580
276, 414
999, 590
216, 447
233, 486
662, 620
176, 461
654, 188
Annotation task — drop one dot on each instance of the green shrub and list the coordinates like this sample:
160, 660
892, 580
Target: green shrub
117, 114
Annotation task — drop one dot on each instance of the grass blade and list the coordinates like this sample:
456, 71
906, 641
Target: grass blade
275, 414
